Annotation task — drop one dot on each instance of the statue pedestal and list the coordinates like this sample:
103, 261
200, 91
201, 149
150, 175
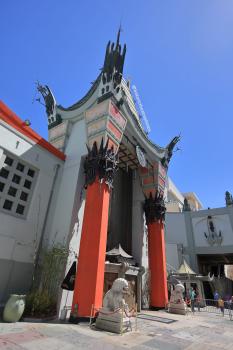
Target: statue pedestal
112, 322
177, 308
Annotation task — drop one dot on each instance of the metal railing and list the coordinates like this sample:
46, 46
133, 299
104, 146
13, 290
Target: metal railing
212, 306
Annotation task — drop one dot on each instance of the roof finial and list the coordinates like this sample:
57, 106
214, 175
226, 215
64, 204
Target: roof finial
118, 35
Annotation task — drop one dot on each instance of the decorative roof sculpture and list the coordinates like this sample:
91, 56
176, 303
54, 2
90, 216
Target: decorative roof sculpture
170, 150
213, 237
50, 105
186, 206
114, 62
118, 255
110, 97
228, 198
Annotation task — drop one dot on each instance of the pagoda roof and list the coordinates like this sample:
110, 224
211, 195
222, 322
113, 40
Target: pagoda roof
129, 106
185, 269
118, 251
120, 94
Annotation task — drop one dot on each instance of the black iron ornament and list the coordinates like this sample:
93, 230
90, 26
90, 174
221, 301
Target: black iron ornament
213, 237
48, 97
228, 198
186, 206
155, 208
114, 62
169, 151
100, 162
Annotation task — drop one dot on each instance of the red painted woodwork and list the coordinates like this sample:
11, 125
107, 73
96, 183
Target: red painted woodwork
157, 265
117, 116
117, 133
89, 280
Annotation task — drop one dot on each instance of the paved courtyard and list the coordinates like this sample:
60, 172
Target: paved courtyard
200, 331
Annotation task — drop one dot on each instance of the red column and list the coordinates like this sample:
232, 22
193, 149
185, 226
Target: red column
89, 280
157, 265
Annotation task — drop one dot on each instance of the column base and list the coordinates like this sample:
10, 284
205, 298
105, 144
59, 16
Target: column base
77, 319
156, 308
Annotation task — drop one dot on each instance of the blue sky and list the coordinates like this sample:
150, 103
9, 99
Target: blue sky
179, 56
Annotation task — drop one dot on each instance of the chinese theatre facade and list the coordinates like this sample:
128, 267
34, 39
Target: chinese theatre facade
109, 197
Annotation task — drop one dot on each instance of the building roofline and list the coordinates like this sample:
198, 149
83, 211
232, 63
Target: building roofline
8, 116
193, 194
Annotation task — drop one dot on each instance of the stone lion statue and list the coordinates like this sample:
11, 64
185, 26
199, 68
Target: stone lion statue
114, 298
177, 304
177, 294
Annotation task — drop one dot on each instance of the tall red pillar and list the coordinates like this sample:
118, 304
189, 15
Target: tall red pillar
89, 280
157, 265
155, 215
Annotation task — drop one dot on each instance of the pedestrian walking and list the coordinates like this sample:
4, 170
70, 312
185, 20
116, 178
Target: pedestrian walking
192, 295
216, 298
221, 305
198, 301
230, 306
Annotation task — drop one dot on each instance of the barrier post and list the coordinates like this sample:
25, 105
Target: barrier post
90, 323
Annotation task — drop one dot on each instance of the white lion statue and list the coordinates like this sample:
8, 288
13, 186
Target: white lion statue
114, 298
177, 294
177, 304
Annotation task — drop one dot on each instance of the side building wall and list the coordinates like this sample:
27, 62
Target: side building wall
20, 234
185, 235
65, 222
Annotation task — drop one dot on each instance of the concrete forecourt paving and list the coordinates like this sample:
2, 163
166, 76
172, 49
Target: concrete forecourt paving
156, 330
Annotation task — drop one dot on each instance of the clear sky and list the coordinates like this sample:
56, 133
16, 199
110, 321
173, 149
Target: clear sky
179, 56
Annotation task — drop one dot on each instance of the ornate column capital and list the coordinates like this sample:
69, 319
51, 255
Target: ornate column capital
100, 162
154, 208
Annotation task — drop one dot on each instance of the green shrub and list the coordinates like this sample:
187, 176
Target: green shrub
40, 304
42, 300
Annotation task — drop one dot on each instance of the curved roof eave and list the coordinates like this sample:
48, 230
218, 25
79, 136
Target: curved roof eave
84, 99
160, 152
154, 148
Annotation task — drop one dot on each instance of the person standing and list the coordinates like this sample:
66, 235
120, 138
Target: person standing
230, 305
216, 298
221, 305
192, 295
198, 301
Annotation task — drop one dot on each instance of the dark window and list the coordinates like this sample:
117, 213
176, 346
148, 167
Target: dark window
24, 196
12, 191
20, 209
4, 173
27, 184
31, 172
8, 161
20, 167
2, 185
16, 179
7, 204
